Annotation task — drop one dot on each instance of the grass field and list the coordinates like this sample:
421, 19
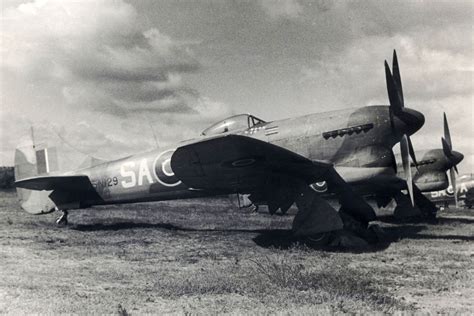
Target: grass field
207, 257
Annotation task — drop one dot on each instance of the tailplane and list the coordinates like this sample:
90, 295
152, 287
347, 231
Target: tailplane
30, 162
48, 159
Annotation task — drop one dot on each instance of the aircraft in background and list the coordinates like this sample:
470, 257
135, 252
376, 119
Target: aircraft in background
277, 163
429, 174
464, 192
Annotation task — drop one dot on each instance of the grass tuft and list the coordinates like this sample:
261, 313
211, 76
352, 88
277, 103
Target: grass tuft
121, 311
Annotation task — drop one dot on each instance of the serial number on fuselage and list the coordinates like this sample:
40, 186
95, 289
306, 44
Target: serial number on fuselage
105, 182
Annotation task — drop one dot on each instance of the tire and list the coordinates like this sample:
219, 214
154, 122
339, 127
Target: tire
318, 240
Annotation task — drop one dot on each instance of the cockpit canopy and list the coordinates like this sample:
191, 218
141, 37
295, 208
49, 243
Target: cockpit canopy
233, 123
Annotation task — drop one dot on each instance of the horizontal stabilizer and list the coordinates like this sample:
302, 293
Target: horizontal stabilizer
50, 183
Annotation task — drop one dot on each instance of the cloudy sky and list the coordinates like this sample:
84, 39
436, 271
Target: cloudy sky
107, 75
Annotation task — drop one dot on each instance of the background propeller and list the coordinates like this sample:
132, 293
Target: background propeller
453, 157
398, 110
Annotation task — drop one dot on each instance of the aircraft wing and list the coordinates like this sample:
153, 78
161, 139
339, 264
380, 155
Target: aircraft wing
244, 164
235, 161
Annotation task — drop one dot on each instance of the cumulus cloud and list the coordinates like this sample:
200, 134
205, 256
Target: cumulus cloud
426, 72
435, 60
94, 45
81, 57
117, 67
281, 8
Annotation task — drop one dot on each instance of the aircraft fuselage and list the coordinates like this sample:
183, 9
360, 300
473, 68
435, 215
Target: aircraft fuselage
357, 141
431, 172
464, 192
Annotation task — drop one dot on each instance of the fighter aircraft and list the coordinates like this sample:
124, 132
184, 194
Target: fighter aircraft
429, 174
464, 192
277, 162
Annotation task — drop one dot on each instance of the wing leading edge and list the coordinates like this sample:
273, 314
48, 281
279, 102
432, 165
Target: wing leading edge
242, 164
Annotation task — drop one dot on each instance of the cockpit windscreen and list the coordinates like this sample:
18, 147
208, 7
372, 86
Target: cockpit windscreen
233, 124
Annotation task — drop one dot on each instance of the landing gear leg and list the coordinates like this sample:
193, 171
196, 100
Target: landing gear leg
62, 220
254, 208
318, 240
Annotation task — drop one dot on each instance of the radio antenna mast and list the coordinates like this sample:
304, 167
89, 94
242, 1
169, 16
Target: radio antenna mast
152, 131
33, 137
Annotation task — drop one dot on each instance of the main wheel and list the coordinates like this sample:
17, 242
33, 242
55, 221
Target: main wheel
318, 240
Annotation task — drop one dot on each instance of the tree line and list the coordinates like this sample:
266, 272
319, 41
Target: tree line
7, 177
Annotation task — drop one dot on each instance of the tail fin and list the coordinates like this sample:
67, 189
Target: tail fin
30, 162
46, 154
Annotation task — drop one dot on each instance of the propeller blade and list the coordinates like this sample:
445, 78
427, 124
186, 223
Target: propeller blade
453, 156
412, 152
392, 90
406, 166
452, 175
447, 135
394, 161
446, 147
396, 76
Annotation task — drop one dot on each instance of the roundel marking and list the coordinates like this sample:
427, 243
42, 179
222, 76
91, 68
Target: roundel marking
450, 190
319, 186
166, 168
163, 173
